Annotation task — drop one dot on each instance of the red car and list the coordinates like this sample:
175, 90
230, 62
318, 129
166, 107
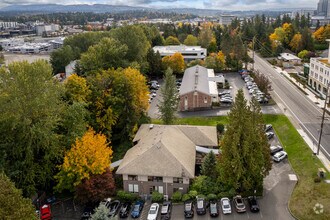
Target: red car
45, 213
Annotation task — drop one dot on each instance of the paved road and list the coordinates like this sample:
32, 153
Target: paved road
302, 110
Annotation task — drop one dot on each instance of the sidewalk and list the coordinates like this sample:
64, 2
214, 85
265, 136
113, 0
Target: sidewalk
318, 102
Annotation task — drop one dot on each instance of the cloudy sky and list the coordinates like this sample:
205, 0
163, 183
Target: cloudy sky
212, 4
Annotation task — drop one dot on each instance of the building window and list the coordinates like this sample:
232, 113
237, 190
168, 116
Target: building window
310, 82
132, 177
155, 179
205, 100
324, 90
319, 87
321, 69
134, 188
177, 180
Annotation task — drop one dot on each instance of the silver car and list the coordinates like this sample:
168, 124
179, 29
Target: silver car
225, 205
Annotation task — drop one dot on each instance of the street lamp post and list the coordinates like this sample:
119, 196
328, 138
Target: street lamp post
322, 122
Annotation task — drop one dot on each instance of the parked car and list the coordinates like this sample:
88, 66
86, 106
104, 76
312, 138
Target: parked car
225, 205
262, 100
279, 156
188, 209
87, 213
254, 206
239, 204
114, 207
274, 149
224, 92
201, 206
106, 202
165, 213
227, 96
214, 210
269, 135
138, 206
226, 101
125, 210
268, 127
153, 211
45, 212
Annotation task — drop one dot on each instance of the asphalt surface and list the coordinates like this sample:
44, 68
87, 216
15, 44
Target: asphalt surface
235, 82
301, 109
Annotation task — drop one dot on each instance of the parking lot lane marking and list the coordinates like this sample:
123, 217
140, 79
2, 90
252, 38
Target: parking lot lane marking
260, 214
247, 214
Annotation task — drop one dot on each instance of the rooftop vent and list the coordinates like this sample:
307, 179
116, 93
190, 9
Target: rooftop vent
151, 126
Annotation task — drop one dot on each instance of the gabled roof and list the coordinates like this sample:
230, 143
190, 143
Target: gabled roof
166, 150
198, 78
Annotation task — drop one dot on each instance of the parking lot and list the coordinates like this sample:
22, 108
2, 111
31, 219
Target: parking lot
278, 186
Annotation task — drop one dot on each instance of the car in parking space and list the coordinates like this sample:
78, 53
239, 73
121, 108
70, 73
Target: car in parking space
274, 149
137, 208
106, 202
188, 209
87, 213
201, 206
153, 211
262, 100
165, 212
125, 210
224, 92
268, 127
226, 101
114, 207
225, 205
279, 156
269, 135
228, 96
214, 210
45, 212
239, 204
254, 206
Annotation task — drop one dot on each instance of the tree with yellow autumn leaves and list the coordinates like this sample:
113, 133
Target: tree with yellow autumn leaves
90, 155
175, 62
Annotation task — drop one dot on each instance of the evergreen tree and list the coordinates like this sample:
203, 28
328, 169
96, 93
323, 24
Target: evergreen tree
155, 63
209, 165
245, 159
101, 213
169, 103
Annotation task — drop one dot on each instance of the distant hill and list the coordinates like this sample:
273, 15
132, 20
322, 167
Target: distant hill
53, 8
105, 8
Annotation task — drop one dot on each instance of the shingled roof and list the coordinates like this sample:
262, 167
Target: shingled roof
166, 150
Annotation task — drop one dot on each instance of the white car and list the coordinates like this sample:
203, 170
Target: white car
225, 206
153, 211
279, 156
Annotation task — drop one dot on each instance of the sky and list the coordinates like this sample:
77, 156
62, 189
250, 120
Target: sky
204, 4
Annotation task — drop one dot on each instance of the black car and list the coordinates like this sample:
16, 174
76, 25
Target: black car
166, 210
214, 210
275, 149
114, 207
201, 206
87, 213
254, 207
125, 210
188, 209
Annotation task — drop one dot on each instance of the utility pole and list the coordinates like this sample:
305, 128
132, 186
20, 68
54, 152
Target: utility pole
322, 122
253, 42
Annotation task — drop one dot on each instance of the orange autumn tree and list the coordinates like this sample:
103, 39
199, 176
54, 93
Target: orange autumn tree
175, 62
89, 155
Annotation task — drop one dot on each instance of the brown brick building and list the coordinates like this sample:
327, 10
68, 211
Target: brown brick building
198, 89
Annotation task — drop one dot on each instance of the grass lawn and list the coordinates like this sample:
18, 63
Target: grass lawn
306, 193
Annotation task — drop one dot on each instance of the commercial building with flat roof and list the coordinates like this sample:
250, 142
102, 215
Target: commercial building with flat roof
188, 52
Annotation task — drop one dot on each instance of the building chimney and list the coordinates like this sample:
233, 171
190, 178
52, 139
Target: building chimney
328, 40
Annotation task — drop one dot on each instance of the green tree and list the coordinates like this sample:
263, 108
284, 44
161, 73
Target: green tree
209, 165
76, 88
12, 204
169, 103
245, 159
172, 41
190, 40
108, 53
205, 36
61, 57
31, 108
136, 41
155, 63
101, 213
